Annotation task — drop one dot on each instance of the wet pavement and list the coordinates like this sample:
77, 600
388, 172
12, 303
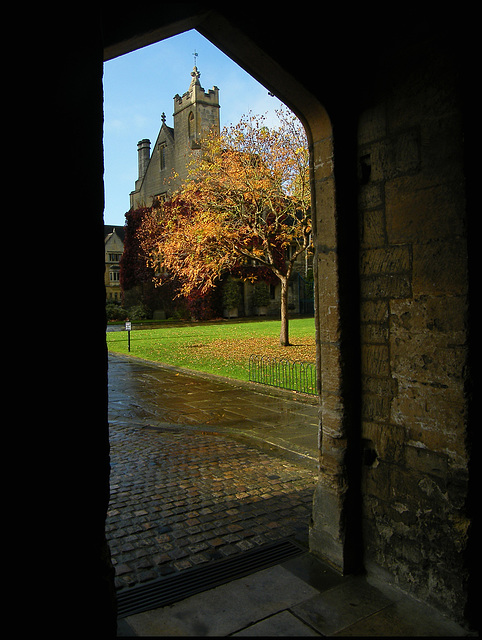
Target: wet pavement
149, 394
202, 470
206, 474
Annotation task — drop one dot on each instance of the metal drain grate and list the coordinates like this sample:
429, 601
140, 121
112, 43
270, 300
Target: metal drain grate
164, 591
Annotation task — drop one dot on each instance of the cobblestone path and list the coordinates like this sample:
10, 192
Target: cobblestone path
181, 497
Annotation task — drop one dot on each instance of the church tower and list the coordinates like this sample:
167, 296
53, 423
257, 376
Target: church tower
195, 113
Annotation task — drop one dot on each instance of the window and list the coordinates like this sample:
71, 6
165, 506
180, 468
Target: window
162, 155
190, 126
114, 276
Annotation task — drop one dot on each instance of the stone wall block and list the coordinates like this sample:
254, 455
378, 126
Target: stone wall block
372, 228
386, 260
418, 211
387, 286
440, 268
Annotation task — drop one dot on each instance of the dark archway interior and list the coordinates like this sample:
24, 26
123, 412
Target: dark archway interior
331, 71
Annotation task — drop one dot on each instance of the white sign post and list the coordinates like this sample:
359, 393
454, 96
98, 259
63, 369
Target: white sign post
128, 329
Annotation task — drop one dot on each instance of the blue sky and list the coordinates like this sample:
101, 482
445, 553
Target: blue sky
139, 86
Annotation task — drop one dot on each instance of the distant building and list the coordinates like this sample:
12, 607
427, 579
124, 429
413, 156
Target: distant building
114, 247
195, 113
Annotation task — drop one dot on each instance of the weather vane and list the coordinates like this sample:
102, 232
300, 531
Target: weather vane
195, 54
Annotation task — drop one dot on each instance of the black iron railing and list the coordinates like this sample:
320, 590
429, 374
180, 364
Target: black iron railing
296, 375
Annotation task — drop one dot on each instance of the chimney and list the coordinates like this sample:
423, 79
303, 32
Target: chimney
143, 156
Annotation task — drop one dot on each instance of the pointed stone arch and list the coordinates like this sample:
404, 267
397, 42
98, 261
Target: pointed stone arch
333, 526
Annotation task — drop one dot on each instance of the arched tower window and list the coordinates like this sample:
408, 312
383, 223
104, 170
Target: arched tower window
190, 126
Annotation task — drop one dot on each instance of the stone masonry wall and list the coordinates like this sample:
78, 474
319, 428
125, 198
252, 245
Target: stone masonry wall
413, 267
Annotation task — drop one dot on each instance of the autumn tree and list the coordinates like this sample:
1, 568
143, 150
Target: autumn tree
246, 199
137, 277
161, 237
133, 265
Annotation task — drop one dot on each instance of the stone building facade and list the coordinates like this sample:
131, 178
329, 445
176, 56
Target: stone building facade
114, 248
195, 113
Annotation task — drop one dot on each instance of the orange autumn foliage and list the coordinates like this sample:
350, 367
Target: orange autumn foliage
247, 198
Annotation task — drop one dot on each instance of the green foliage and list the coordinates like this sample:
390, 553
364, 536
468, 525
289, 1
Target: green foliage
139, 312
260, 295
232, 296
115, 312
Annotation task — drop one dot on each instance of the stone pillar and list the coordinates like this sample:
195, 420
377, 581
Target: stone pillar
331, 531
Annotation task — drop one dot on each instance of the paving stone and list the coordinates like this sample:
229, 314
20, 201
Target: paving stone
216, 542
254, 519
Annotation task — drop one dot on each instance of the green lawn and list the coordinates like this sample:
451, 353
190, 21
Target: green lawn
219, 348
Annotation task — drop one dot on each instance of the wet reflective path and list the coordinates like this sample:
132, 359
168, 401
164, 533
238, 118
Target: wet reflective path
155, 396
191, 479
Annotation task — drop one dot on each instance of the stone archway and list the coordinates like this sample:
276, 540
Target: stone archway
332, 521
406, 90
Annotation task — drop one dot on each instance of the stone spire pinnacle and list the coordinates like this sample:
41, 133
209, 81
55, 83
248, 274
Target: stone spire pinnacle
195, 77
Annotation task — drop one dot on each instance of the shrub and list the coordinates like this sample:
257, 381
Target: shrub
115, 312
139, 312
261, 295
232, 296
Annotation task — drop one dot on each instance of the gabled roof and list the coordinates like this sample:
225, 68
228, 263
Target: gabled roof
109, 229
164, 131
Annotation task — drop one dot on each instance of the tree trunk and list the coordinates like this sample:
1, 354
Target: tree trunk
284, 335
